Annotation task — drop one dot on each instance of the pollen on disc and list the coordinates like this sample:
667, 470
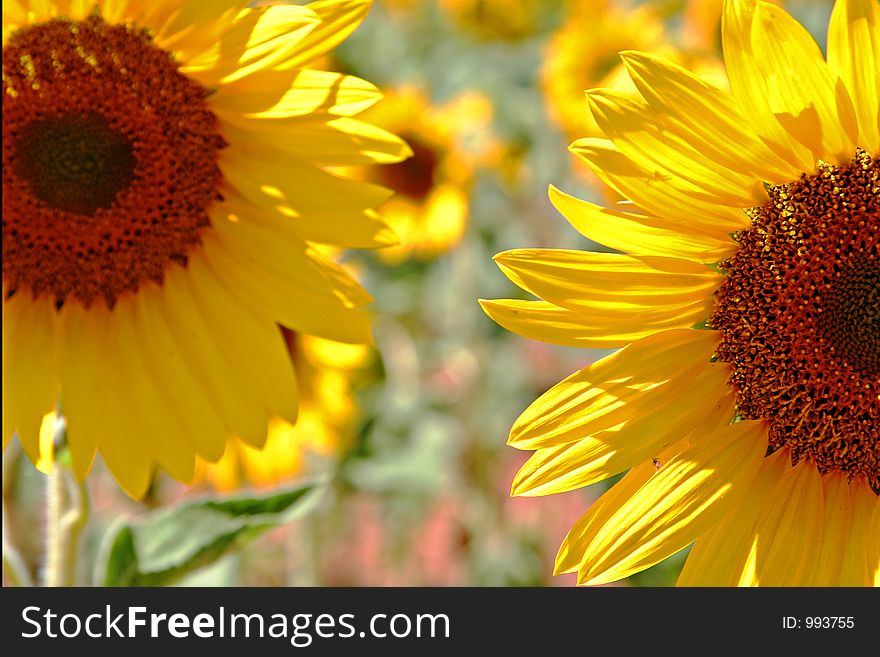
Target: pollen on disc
799, 316
109, 161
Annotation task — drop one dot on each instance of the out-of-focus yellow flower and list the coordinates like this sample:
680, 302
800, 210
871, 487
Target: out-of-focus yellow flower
326, 373
584, 54
429, 211
496, 19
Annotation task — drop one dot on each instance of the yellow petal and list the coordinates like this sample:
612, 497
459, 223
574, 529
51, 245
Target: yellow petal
718, 558
640, 234
615, 389
855, 569
648, 426
619, 288
83, 391
706, 117
651, 190
254, 341
185, 27
208, 359
689, 494
182, 391
571, 552
30, 375
94, 399
633, 128
802, 93
154, 433
356, 229
873, 534
751, 89
326, 140
540, 320
307, 312
49, 428
789, 529
836, 533
268, 178
290, 261
260, 39
854, 56
338, 19
280, 94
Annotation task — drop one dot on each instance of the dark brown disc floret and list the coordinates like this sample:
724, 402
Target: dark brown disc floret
799, 316
109, 161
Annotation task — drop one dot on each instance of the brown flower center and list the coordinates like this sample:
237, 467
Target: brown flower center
799, 315
414, 177
109, 161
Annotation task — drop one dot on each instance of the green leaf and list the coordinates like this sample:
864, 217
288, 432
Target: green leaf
159, 548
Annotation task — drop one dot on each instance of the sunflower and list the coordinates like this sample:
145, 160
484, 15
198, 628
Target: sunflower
326, 374
450, 141
508, 20
743, 301
574, 63
164, 184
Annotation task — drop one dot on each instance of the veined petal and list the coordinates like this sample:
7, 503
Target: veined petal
289, 184
364, 229
93, 398
181, 390
605, 453
801, 92
789, 530
259, 39
640, 234
854, 57
615, 284
325, 316
540, 320
297, 92
270, 252
571, 552
873, 533
686, 496
255, 341
30, 375
151, 436
339, 18
633, 129
325, 140
208, 359
595, 398
858, 563
706, 117
650, 190
186, 27
718, 558
751, 89
836, 533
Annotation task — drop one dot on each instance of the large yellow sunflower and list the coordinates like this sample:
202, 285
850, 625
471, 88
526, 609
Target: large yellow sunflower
744, 397
164, 181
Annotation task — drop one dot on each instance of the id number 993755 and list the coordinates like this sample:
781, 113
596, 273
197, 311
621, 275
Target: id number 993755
818, 622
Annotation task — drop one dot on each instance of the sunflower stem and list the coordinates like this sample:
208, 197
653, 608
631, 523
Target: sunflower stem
67, 503
14, 565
